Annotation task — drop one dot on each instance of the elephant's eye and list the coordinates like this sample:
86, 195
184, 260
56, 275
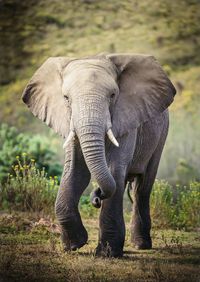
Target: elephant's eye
66, 98
112, 95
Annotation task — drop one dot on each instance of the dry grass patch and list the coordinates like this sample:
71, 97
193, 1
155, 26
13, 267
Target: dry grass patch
35, 253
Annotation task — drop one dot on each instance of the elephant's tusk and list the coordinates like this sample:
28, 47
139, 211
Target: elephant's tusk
69, 138
112, 138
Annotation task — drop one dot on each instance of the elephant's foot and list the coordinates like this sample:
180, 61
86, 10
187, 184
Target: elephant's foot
105, 250
74, 236
142, 243
140, 234
74, 243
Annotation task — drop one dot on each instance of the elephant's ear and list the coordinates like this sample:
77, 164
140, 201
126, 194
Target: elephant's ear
145, 90
43, 95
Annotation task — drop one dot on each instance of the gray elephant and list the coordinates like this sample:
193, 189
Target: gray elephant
112, 111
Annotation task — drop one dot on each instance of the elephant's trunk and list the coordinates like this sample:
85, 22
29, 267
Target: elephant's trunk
93, 147
90, 128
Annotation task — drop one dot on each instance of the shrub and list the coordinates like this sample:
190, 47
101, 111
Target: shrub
13, 143
28, 188
86, 207
162, 203
188, 205
176, 207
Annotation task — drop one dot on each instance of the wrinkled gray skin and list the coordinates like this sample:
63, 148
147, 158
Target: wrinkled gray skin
129, 93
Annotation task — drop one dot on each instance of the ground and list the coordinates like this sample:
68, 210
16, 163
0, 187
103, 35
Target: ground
31, 251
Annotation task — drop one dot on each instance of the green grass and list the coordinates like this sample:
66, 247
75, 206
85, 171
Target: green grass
30, 252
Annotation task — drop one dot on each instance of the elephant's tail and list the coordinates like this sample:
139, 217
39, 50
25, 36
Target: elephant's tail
129, 188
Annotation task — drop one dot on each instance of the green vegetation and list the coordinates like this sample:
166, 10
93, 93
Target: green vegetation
40, 148
86, 208
29, 189
175, 207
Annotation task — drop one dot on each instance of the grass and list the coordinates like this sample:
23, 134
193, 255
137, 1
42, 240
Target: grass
33, 252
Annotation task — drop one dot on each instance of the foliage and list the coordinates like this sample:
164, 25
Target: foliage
176, 207
28, 188
86, 207
13, 143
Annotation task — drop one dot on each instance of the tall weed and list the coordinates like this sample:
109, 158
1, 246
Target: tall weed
28, 188
176, 207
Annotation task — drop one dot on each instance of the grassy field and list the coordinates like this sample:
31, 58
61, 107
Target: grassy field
30, 250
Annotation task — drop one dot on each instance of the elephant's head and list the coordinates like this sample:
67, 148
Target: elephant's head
87, 97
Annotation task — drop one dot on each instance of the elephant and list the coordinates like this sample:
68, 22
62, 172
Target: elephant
112, 111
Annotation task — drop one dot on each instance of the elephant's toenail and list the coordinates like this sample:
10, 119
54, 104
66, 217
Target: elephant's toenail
74, 248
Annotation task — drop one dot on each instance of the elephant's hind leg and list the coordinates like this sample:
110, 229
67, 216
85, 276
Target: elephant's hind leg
141, 221
75, 179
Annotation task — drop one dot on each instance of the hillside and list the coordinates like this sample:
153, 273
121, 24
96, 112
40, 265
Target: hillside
31, 31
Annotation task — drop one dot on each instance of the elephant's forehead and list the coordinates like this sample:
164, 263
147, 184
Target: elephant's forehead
92, 65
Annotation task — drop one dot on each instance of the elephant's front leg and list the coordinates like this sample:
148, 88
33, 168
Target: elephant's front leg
112, 226
74, 180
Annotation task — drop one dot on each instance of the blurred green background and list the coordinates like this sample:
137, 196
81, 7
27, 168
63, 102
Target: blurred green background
31, 31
